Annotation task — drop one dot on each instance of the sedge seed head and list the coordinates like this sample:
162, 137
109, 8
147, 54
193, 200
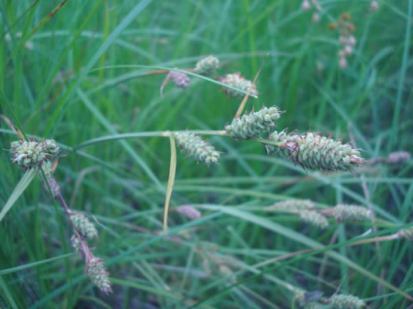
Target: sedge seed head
255, 124
83, 225
239, 86
196, 147
207, 65
33, 153
97, 273
343, 301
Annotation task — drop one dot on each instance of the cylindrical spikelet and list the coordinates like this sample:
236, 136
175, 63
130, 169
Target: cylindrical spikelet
255, 124
313, 218
207, 65
97, 273
344, 213
33, 153
313, 151
239, 86
196, 147
83, 225
189, 211
292, 205
342, 301
180, 79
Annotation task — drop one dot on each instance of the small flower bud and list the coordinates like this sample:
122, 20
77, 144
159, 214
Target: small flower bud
242, 86
255, 124
83, 225
196, 147
207, 65
33, 153
97, 273
189, 212
342, 301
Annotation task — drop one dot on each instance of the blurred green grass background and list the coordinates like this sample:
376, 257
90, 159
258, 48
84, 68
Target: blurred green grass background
72, 75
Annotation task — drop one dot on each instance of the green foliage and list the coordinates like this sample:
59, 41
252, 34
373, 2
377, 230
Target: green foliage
81, 71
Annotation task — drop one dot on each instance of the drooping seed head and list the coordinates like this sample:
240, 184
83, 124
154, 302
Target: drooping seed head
196, 147
33, 153
255, 124
207, 65
238, 85
344, 213
398, 157
313, 151
83, 225
343, 301
76, 243
97, 273
180, 79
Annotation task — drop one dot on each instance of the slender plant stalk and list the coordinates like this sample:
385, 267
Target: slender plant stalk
171, 180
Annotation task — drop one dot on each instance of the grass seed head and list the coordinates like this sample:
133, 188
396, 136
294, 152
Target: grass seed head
196, 147
242, 86
207, 65
314, 218
255, 124
343, 301
189, 212
83, 225
33, 153
345, 213
97, 273
313, 151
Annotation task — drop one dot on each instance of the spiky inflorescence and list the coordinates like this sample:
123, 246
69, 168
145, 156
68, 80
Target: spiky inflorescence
343, 212
342, 301
196, 147
189, 211
255, 124
292, 205
33, 153
239, 85
180, 79
314, 151
313, 218
97, 273
207, 65
83, 225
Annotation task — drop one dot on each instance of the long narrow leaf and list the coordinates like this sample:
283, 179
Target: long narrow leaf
18, 190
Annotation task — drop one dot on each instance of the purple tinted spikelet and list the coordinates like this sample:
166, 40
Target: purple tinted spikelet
255, 124
316, 152
189, 212
180, 79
